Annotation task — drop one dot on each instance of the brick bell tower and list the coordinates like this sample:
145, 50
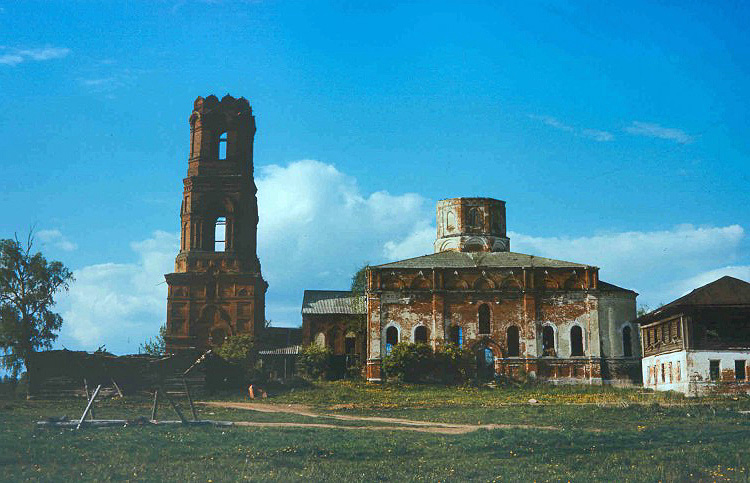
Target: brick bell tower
217, 288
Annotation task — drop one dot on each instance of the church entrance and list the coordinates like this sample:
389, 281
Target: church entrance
485, 363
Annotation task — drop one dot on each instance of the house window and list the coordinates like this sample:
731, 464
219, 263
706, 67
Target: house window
739, 370
220, 234
420, 335
627, 345
455, 335
350, 345
391, 339
223, 146
714, 369
484, 319
576, 341
670, 373
548, 341
679, 372
513, 338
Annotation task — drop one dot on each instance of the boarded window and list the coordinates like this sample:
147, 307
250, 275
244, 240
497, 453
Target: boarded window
627, 344
513, 338
484, 319
714, 369
391, 339
455, 335
420, 335
220, 234
739, 370
576, 341
679, 372
670, 373
548, 341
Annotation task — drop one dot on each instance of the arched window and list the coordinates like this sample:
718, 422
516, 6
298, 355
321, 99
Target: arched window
548, 341
391, 339
576, 341
455, 335
320, 340
473, 218
220, 234
627, 345
350, 344
514, 343
420, 335
217, 336
223, 146
484, 319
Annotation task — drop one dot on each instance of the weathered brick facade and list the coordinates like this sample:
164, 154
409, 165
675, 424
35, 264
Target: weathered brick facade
522, 314
217, 288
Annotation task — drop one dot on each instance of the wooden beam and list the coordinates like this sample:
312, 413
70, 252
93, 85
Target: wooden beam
88, 396
174, 406
190, 399
156, 402
119, 392
88, 406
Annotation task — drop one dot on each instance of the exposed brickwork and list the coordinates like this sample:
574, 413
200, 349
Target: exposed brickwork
585, 317
217, 291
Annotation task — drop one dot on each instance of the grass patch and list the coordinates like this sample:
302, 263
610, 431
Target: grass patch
638, 437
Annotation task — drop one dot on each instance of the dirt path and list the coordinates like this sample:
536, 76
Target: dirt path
404, 424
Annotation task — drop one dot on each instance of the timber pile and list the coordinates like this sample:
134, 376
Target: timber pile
63, 374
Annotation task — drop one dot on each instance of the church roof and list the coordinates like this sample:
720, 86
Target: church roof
453, 259
726, 291
333, 302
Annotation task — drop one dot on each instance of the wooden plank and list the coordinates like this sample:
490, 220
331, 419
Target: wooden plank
88, 406
88, 396
156, 402
190, 399
174, 406
119, 392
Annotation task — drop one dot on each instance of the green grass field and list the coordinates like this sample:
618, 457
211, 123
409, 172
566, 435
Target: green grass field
572, 433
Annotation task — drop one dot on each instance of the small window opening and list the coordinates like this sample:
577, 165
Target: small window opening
576, 341
391, 339
223, 146
548, 341
512, 335
739, 370
455, 335
220, 234
714, 369
663, 374
627, 345
420, 335
679, 372
670, 373
473, 218
484, 319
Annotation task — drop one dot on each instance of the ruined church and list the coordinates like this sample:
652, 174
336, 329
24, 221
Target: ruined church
519, 314
217, 288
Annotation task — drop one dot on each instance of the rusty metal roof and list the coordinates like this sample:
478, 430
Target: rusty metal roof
452, 259
726, 291
333, 302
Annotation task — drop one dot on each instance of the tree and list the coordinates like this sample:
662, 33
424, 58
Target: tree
155, 346
359, 280
28, 284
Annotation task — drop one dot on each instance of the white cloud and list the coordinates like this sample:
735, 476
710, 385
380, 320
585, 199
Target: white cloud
56, 239
654, 130
597, 135
594, 134
17, 56
317, 227
648, 262
119, 305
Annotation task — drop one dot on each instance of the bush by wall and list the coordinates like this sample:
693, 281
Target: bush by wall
313, 361
449, 364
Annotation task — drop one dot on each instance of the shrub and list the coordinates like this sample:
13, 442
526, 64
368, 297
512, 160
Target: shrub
313, 360
241, 358
454, 365
409, 362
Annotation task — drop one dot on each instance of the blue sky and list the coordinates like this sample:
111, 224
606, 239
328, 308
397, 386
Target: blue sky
616, 134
